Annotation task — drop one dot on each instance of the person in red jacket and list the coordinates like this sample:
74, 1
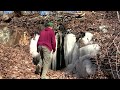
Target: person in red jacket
46, 43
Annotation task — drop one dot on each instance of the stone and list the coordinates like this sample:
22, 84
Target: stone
5, 17
103, 28
1, 13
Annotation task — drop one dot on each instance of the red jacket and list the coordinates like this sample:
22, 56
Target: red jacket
47, 38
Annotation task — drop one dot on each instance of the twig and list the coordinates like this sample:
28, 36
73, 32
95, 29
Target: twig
116, 57
117, 60
110, 65
118, 16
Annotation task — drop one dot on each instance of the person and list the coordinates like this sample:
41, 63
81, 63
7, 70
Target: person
46, 43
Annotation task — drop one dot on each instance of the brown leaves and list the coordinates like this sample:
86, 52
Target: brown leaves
15, 63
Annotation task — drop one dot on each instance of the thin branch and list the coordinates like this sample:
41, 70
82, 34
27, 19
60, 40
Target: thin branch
116, 57
117, 60
118, 16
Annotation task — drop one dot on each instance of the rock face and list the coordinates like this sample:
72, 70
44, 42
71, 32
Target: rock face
1, 13
26, 12
24, 40
12, 37
6, 18
4, 34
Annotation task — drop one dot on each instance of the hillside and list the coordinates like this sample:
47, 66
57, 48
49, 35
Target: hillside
16, 61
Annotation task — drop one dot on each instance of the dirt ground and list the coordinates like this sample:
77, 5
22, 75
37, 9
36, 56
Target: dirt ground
16, 62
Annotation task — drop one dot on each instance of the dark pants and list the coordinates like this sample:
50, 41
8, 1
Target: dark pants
45, 59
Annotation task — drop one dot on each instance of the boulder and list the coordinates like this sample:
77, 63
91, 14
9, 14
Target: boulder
6, 18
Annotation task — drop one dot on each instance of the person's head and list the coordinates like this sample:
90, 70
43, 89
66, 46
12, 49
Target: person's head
49, 24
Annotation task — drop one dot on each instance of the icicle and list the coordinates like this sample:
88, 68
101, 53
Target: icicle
89, 49
69, 42
54, 57
87, 38
33, 46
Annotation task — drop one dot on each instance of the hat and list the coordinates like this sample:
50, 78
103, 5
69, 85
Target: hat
50, 24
